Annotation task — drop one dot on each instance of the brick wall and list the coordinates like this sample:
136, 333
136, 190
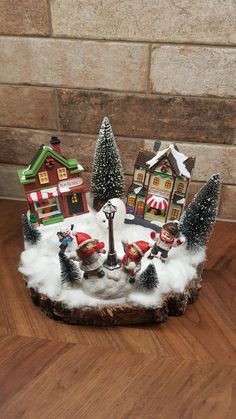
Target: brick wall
157, 69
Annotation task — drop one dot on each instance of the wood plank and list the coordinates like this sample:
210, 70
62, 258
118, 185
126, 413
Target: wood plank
97, 383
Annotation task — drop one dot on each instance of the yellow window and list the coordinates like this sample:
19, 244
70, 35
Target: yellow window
62, 173
156, 181
140, 205
180, 187
43, 177
74, 198
175, 213
131, 201
167, 184
140, 177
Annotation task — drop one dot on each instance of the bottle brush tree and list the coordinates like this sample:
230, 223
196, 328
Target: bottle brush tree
31, 234
149, 278
198, 220
107, 173
69, 271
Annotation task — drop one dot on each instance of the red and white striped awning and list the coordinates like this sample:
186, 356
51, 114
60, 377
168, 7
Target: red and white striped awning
42, 195
157, 202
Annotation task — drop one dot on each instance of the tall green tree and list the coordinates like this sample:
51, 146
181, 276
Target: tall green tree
107, 174
31, 234
198, 220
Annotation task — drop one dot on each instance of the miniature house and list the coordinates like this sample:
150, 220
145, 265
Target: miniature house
160, 184
53, 185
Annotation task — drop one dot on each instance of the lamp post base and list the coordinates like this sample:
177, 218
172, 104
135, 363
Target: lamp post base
112, 262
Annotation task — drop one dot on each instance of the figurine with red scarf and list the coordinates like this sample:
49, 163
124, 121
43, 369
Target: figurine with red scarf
131, 261
89, 254
167, 238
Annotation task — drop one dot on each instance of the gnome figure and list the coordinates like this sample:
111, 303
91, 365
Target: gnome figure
89, 254
131, 261
165, 240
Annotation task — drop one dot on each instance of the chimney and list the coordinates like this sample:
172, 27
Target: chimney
56, 144
157, 145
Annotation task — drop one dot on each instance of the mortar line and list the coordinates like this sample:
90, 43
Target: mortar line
122, 40
119, 92
50, 19
118, 136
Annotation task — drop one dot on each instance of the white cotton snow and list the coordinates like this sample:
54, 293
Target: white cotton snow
180, 159
158, 155
40, 264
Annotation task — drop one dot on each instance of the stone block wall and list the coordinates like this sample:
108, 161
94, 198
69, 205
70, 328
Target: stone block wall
157, 69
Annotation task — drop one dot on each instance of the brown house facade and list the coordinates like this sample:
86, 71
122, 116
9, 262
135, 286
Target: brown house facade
53, 185
160, 184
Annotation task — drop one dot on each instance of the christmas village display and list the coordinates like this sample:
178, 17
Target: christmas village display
98, 258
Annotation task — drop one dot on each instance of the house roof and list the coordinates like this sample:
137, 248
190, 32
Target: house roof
28, 174
181, 164
143, 157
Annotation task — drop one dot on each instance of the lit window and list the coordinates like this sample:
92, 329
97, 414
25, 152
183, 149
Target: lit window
140, 177
175, 214
156, 181
43, 177
74, 198
180, 187
131, 201
62, 173
140, 205
167, 184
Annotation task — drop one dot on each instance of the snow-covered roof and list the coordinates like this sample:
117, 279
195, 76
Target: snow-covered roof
181, 164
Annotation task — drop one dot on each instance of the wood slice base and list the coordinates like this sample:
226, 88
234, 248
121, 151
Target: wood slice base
173, 304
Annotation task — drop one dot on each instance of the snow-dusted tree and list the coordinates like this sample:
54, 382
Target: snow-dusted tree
69, 271
198, 220
31, 234
107, 174
149, 278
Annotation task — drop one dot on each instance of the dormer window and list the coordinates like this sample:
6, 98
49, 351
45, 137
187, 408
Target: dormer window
62, 173
164, 167
43, 177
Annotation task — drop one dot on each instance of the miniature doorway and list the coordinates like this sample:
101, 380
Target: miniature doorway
140, 208
75, 203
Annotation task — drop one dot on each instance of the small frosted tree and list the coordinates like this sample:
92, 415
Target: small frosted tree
149, 278
107, 174
31, 234
69, 271
198, 220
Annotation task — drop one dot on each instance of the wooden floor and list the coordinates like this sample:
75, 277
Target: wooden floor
184, 368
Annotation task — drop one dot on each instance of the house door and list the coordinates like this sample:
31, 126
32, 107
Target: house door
140, 208
75, 203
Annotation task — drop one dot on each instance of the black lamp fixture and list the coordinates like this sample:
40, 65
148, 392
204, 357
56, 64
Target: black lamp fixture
111, 261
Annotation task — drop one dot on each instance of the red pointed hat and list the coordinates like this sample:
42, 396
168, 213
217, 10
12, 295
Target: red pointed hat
141, 246
82, 239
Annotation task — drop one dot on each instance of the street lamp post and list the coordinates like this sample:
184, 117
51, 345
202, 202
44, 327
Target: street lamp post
111, 261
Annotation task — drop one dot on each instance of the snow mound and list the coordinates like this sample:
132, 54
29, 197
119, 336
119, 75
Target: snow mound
40, 264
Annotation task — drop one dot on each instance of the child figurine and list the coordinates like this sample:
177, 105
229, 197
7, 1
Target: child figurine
131, 261
88, 252
165, 240
65, 238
